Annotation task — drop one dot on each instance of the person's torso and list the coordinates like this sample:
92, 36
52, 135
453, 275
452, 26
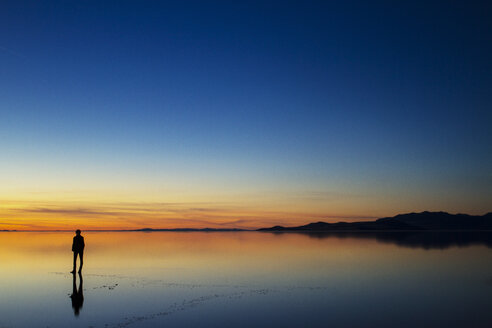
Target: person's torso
78, 243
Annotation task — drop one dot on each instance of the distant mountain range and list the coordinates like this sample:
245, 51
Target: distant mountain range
425, 221
402, 222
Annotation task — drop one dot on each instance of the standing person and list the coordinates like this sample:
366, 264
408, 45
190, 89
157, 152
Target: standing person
78, 249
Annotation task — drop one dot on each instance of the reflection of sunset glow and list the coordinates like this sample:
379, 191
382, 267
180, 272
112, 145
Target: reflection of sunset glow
218, 253
222, 251
245, 252
123, 270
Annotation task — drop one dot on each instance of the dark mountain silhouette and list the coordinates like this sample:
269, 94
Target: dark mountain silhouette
441, 221
444, 221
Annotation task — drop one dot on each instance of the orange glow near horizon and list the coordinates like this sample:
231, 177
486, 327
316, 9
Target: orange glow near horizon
177, 217
70, 215
117, 210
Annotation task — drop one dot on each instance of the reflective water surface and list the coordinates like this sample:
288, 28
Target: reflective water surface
245, 279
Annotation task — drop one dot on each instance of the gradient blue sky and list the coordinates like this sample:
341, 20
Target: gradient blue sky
363, 108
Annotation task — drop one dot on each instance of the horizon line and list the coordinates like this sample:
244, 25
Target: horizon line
223, 229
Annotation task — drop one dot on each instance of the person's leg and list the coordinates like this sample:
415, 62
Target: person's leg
81, 255
74, 261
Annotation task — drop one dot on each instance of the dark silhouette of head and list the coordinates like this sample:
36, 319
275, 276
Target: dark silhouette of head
77, 232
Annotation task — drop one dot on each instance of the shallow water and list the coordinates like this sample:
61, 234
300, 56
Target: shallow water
244, 279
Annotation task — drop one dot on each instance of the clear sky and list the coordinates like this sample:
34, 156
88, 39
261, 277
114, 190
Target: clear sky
242, 114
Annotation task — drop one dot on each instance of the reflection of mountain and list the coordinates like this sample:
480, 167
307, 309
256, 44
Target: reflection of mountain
413, 239
428, 230
441, 221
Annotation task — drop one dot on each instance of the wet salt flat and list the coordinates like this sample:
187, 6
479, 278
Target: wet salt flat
243, 279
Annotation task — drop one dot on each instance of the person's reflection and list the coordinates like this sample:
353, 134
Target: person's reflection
77, 295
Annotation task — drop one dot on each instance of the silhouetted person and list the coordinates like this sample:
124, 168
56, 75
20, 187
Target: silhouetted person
78, 249
77, 295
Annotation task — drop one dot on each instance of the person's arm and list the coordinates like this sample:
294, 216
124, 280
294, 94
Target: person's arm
83, 243
73, 244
